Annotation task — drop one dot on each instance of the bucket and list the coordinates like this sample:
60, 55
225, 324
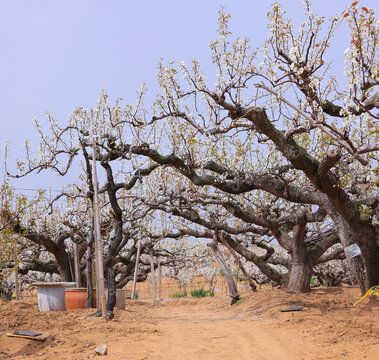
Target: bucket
76, 298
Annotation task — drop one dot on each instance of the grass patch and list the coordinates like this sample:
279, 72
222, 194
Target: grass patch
179, 295
199, 293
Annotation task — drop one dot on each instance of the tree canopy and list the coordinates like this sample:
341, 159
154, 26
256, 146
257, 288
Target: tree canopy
278, 149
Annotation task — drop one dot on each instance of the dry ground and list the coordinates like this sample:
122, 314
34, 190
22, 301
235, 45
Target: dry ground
328, 328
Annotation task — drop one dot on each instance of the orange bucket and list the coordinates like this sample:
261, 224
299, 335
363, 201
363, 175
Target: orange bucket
76, 298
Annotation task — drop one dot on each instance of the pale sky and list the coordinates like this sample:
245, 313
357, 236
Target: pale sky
58, 54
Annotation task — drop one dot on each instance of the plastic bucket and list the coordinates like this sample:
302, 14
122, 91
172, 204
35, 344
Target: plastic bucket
76, 298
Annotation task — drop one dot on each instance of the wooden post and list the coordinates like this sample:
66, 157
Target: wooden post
22, 291
94, 276
77, 265
90, 275
17, 284
69, 265
98, 244
159, 280
152, 273
136, 269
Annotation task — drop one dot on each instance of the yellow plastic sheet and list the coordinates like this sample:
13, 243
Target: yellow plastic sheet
372, 291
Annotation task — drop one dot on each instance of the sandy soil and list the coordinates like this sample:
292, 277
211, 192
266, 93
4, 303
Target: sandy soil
327, 328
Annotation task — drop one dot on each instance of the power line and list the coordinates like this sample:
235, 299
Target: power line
33, 197
22, 189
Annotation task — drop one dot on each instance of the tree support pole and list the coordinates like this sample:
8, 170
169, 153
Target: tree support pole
152, 272
159, 280
98, 244
77, 265
136, 270
17, 285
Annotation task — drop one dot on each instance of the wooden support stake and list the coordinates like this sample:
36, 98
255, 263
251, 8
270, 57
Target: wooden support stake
94, 277
136, 270
152, 273
17, 285
159, 280
77, 265
22, 291
98, 244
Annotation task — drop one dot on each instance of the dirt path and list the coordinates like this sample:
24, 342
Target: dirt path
327, 328
217, 338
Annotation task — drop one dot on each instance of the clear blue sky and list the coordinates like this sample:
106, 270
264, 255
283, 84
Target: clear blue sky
59, 54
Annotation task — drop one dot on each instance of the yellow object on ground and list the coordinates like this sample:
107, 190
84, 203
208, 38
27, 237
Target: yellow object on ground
372, 291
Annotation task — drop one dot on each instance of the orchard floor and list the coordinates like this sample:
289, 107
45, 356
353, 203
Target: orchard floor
208, 328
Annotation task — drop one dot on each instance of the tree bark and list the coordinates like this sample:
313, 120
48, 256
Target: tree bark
356, 265
63, 265
299, 276
370, 255
111, 301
